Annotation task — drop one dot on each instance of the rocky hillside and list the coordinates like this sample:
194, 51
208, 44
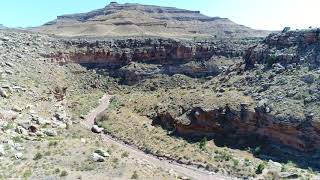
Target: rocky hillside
116, 20
41, 105
290, 48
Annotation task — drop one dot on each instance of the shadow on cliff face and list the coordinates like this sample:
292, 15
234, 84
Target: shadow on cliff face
250, 131
266, 149
262, 148
135, 72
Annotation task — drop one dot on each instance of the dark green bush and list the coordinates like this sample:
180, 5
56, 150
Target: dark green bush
203, 143
260, 168
271, 59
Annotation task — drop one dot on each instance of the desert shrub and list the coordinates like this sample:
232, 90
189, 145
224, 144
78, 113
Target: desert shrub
124, 154
57, 170
17, 139
203, 143
235, 162
271, 59
27, 174
53, 143
134, 175
223, 155
37, 156
63, 173
260, 168
114, 104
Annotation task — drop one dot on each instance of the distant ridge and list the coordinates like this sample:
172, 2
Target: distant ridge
3, 27
130, 19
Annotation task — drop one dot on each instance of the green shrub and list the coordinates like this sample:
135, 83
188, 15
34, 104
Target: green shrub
57, 170
235, 162
134, 175
37, 156
260, 168
271, 59
53, 143
63, 173
223, 155
27, 174
203, 143
124, 154
17, 139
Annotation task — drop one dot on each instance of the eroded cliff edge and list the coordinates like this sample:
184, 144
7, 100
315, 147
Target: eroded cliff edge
279, 74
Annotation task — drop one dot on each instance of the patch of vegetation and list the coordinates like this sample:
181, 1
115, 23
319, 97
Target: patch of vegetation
124, 154
27, 174
17, 139
223, 155
57, 171
53, 143
63, 173
203, 143
271, 59
8, 126
37, 156
135, 175
260, 168
114, 104
235, 162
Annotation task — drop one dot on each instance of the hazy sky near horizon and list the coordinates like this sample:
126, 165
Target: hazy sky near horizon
258, 14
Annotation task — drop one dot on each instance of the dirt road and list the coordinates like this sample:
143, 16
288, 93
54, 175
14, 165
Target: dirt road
181, 169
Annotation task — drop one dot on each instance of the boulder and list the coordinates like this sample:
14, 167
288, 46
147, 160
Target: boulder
50, 132
102, 153
96, 129
263, 106
278, 68
288, 175
61, 116
97, 158
308, 78
21, 130
40, 120
3, 93
16, 108
274, 165
18, 155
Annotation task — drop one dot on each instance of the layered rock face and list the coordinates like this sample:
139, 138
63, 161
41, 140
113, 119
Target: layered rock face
287, 48
135, 59
161, 51
229, 123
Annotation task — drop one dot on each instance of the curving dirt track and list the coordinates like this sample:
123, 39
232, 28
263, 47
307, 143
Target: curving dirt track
189, 171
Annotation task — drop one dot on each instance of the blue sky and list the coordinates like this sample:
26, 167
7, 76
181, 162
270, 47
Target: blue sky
258, 14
